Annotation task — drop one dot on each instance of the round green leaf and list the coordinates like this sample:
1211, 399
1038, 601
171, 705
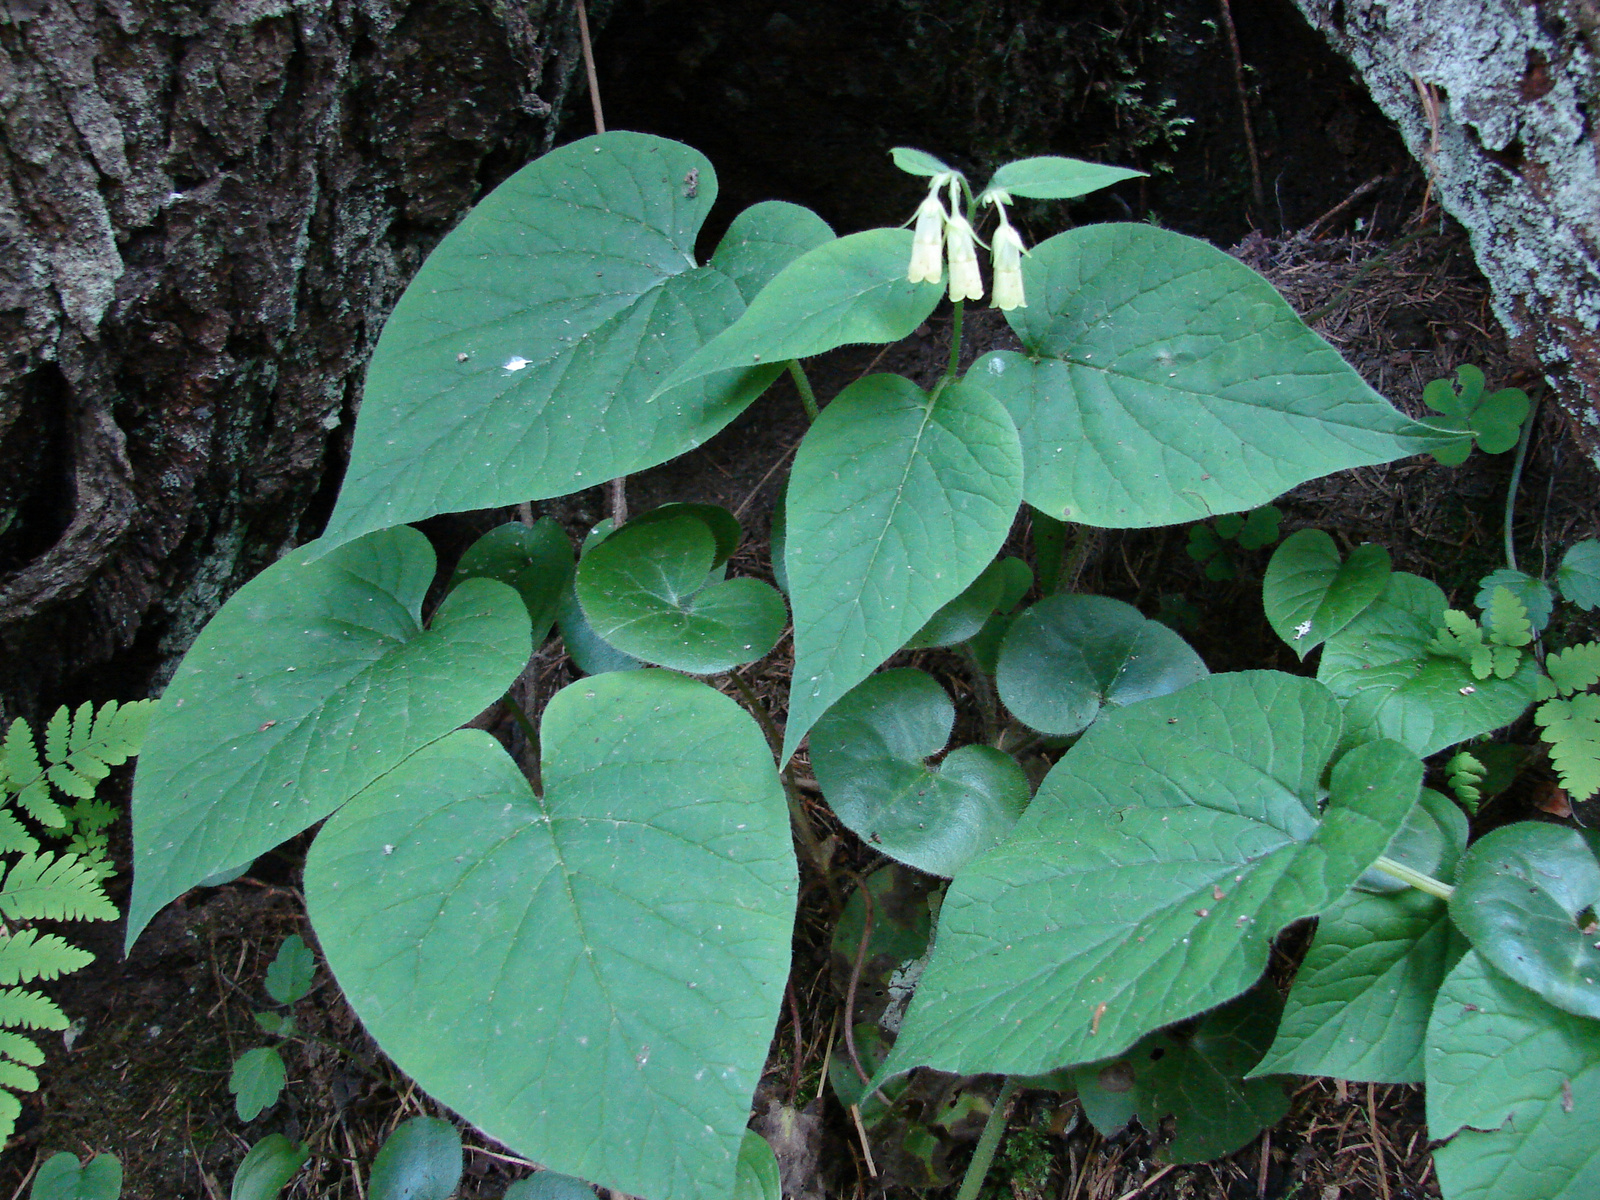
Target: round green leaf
525, 358
724, 526
852, 289
1053, 178
1579, 575
420, 1160
896, 504
1147, 879
292, 971
964, 616
1526, 898
1361, 1001
1533, 594
256, 1081
592, 976
62, 1177
1392, 687
647, 590
1514, 1084
764, 239
534, 559
268, 1167
1197, 1076
314, 679
1070, 656
1165, 381
1310, 595
869, 754
757, 1177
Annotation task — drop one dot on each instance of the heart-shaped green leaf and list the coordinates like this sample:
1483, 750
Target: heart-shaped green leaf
1526, 899
1391, 686
764, 239
1147, 879
648, 590
1514, 1083
896, 504
526, 356
313, 680
534, 559
1310, 595
591, 976
62, 1177
1050, 177
1196, 1076
852, 289
1070, 656
869, 753
724, 526
964, 616
268, 1167
1362, 998
1579, 574
1164, 381
420, 1160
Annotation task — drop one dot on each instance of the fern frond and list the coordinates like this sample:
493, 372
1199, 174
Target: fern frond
10, 1110
59, 888
28, 955
1459, 638
14, 835
17, 1077
36, 802
119, 731
91, 816
57, 735
1465, 774
21, 1047
1575, 668
1572, 729
30, 1010
1506, 619
20, 758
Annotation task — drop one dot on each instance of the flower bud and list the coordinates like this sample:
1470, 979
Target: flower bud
1008, 252
927, 242
966, 283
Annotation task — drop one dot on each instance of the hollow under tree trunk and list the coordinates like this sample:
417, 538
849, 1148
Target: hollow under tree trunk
207, 210
1500, 101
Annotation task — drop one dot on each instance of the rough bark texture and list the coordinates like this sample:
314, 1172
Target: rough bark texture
207, 209
1499, 101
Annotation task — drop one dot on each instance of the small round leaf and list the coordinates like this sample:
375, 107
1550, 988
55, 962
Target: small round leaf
1310, 595
421, 1160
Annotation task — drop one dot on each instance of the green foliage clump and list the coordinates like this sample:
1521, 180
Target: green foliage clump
1570, 717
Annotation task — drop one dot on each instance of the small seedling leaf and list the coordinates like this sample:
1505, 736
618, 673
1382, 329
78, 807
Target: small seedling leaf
292, 971
256, 1081
420, 1160
268, 1167
63, 1177
757, 1177
549, 1185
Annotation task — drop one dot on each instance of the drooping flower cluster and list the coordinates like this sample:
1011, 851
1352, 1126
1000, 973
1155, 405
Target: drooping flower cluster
942, 233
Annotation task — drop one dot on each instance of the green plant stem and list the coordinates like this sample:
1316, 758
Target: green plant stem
798, 816
956, 312
529, 731
1416, 879
808, 398
1516, 481
983, 692
993, 1129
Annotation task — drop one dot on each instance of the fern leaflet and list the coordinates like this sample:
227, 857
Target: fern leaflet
28, 954
30, 1010
54, 887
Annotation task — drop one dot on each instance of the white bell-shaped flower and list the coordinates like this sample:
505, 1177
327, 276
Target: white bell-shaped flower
927, 241
966, 282
1008, 251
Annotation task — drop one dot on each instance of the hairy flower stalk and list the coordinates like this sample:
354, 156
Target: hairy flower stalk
1008, 251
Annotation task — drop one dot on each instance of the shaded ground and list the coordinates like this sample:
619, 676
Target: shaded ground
146, 1076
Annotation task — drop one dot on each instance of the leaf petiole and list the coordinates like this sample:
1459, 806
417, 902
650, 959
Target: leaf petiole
1416, 879
808, 398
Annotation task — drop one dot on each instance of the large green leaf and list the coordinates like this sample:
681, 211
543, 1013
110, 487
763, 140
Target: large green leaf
313, 680
1070, 656
1517, 1084
764, 239
1526, 899
1195, 1075
535, 559
1165, 381
1361, 1000
1147, 879
896, 503
1310, 593
591, 977
852, 289
870, 752
649, 590
524, 358
1392, 687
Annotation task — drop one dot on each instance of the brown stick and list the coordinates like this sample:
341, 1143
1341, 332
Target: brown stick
1256, 190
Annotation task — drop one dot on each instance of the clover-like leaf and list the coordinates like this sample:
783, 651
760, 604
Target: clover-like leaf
420, 1160
1526, 899
870, 752
1147, 879
1070, 656
534, 559
649, 591
764, 239
591, 976
897, 502
1392, 686
1361, 1001
1310, 594
1163, 381
1514, 1083
526, 356
1050, 177
1578, 577
314, 679
852, 289
1197, 1076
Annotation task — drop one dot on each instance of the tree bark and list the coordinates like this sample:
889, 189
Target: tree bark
1499, 103
207, 209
